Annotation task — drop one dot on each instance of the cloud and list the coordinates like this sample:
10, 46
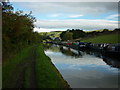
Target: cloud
114, 16
66, 16
83, 8
54, 15
84, 24
67, 10
46, 30
75, 16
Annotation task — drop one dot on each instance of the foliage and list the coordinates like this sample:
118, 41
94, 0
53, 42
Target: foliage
76, 33
50, 35
17, 30
62, 35
67, 35
80, 34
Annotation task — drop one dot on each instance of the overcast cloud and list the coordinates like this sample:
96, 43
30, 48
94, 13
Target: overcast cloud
78, 23
93, 8
82, 15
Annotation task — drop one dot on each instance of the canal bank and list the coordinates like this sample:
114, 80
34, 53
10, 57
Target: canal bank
31, 68
47, 74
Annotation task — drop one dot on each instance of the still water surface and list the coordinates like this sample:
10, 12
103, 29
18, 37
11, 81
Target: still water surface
84, 69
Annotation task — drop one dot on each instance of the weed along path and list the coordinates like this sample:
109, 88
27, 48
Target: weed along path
31, 68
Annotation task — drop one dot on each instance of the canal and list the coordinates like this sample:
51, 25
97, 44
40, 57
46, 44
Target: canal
84, 69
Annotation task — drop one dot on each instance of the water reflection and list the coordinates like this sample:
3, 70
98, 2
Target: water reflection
84, 69
70, 52
79, 54
112, 62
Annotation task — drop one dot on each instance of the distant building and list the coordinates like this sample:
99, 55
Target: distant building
57, 39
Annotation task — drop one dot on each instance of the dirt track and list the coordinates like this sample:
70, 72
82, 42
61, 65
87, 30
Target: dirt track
29, 64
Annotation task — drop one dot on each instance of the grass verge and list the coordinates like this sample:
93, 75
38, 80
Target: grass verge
17, 71
110, 38
12, 68
47, 75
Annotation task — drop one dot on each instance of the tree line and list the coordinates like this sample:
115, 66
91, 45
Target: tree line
80, 34
17, 30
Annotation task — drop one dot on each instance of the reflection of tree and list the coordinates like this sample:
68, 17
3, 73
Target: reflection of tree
68, 52
46, 46
111, 62
51, 47
95, 53
54, 49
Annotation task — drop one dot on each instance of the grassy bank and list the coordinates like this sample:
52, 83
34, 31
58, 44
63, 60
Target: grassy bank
12, 69
110, 38
47, 75
31, 68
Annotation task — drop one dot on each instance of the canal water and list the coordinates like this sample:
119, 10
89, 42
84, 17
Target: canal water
84, 69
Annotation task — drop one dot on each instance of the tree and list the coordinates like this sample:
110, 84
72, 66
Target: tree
68, 36
62, 35
17, 30
105, 30
6, 7
78, 33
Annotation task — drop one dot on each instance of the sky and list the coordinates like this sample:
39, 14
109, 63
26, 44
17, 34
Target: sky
60, 16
